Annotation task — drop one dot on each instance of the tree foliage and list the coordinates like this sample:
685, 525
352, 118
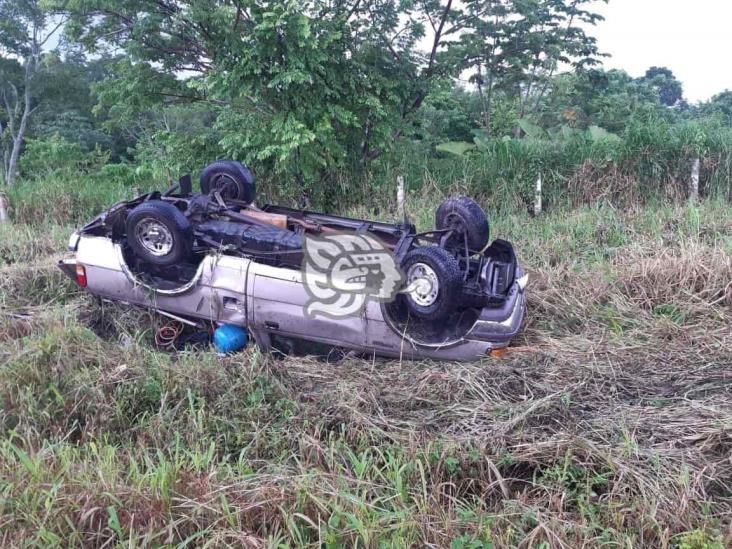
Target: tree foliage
24, 30
517, 46
303, 86
306, 91
664, 83
720, 105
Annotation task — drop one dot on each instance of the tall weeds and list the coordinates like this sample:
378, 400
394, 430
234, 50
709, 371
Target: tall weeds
650, 161
610, 425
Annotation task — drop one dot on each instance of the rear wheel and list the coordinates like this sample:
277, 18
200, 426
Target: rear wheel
465, 218
231, 179
434, 282
159, 233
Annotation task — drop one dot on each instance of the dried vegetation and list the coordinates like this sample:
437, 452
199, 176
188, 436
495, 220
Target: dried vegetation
609, 426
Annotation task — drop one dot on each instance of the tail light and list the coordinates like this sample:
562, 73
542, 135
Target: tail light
81, 275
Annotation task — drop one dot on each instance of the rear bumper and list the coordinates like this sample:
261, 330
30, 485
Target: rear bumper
499, 325
494, 329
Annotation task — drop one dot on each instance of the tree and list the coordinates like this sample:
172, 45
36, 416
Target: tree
595, 97
299, 85
65, 102
720, 104
517, 46
662, 80
24, 31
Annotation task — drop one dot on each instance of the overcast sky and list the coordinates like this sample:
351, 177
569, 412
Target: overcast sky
692, 38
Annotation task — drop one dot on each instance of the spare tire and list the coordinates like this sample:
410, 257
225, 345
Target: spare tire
158, 233
231, 179
465, 217
437, 279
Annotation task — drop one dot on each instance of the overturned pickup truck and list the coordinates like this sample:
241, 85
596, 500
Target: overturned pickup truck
289, 275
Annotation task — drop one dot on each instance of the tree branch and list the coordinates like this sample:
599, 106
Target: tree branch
53, 31
438, 38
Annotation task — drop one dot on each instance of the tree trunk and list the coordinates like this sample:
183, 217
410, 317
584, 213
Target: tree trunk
518, 132
6, 163
485, 106
489, 104
488, 100
12, 172
11, 169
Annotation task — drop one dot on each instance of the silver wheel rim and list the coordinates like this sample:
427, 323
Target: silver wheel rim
425, 285
154, 236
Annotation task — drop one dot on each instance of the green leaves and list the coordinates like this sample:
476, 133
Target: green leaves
597, 133
532, 130
315, 87
663, 82
516, 47
301, 88
458, 148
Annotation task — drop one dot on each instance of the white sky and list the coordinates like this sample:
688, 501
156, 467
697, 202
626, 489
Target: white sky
692, 38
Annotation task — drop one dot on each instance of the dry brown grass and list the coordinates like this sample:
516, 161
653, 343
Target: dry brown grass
610, 426
593, 183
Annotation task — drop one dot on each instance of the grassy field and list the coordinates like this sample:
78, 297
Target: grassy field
610, 426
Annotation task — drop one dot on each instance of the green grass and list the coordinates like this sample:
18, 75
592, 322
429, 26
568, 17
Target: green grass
649, 164
610, 429
24, 243
65, 199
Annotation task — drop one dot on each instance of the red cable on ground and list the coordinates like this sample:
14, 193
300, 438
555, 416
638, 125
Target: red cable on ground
166, 335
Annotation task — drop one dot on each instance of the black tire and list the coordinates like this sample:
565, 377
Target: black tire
167, 221
464, 216
231, 179
449, 279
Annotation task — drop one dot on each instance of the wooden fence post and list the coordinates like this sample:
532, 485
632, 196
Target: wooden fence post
4, 207
401, 200
537, 196
694, 189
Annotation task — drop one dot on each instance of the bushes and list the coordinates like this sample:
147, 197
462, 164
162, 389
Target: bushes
651, 159
55, 156
63, 184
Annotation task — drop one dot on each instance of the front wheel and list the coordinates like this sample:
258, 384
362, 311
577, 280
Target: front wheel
433, 282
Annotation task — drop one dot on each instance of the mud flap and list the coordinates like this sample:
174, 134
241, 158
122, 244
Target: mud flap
68, 267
